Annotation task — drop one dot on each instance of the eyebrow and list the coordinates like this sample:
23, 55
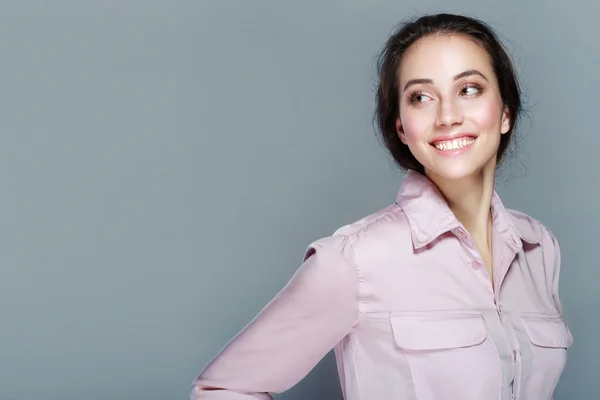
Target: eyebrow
464, 74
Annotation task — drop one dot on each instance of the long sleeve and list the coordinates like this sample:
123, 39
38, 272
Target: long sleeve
299, 326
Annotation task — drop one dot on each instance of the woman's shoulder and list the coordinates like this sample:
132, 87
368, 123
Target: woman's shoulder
386, 225
375, 226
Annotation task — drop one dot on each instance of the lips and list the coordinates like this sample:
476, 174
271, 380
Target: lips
453, 145
450, 138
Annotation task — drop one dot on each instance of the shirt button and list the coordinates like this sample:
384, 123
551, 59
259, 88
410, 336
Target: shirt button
475, 264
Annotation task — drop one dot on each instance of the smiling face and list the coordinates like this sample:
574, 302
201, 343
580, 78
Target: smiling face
451, 111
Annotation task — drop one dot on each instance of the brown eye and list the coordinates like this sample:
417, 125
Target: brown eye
420, 98
470, 90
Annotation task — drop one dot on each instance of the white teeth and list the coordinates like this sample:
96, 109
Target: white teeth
453, 144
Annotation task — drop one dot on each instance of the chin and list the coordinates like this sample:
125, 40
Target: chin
454, 175
454, 171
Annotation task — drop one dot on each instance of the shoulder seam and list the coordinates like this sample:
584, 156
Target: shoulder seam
362, 227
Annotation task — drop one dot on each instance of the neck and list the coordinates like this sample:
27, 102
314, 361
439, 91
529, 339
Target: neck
470, 200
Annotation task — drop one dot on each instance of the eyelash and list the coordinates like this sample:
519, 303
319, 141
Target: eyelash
412, 97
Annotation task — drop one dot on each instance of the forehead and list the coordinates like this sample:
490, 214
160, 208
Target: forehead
443, 56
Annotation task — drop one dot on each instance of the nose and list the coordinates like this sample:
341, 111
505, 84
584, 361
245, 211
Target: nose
449, 113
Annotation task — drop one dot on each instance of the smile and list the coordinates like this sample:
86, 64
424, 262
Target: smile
455, 146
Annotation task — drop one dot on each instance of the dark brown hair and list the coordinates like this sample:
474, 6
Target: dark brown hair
388, 63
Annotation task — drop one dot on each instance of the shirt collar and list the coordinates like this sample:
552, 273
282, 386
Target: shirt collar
429, 216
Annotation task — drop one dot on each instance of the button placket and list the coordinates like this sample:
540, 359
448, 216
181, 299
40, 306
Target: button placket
465, 237
473, 261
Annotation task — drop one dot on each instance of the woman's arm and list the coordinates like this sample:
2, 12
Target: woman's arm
306, 319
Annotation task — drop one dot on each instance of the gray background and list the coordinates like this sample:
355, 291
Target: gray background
164, 164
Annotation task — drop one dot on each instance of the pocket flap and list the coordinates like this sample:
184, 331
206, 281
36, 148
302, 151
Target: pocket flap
438, 332
548, 332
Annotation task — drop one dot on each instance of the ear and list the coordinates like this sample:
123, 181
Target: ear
505, 120
400, 130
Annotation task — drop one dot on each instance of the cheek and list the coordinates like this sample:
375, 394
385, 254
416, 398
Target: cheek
488, 115
415, 125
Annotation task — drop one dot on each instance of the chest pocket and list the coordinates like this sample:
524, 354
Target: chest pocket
549, 337
548, 332
448, 352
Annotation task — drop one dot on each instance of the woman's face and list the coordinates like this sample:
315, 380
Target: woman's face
451, 113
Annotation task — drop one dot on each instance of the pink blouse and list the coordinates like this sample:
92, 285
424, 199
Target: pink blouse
403, 297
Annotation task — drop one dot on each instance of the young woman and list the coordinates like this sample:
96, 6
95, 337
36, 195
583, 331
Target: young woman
445, 294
